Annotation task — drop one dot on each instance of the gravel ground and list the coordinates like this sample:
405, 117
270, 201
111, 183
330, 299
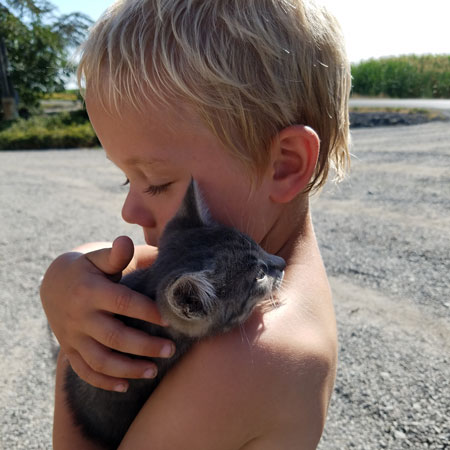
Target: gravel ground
385, 238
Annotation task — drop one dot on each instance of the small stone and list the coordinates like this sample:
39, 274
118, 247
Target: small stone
399, 435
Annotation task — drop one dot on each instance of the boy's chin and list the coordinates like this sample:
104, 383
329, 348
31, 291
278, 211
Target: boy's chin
151, 239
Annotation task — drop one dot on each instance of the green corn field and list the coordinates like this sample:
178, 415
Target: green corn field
410, 76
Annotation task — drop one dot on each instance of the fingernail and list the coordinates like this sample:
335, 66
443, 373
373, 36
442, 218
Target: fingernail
120, 388
167, 350
150, 373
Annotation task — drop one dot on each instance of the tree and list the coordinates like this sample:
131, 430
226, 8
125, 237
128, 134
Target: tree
38, 43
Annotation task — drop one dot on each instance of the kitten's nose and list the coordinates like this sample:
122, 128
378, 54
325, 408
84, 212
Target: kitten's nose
277, 262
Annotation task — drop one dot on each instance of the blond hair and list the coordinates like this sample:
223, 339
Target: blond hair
249, 68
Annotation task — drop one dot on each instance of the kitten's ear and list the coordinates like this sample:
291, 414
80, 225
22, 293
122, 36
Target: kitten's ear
192, 295
193, 208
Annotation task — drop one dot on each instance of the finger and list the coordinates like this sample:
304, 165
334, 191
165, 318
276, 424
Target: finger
115, 259
119, 299
93, 378
114, 334
122, 252
101, 365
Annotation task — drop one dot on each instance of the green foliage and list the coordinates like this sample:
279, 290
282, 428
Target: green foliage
70, 95
412, 76
38, 44
65, 130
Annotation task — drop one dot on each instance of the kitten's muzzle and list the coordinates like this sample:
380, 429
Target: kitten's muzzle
276, 263
276, 268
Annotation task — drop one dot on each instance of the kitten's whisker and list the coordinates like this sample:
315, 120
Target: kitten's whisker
244, 334
283, 290
241, 332
274, 301
285, 284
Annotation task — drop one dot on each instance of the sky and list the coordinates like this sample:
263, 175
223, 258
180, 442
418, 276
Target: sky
372, 29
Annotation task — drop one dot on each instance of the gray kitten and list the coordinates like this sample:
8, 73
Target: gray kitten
206, 279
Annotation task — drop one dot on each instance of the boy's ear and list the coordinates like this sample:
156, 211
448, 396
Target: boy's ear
294, 157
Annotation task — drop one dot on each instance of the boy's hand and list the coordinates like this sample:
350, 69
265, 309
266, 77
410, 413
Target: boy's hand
80, 298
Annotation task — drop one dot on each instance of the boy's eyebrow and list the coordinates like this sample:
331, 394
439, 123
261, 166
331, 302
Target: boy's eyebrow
136, 162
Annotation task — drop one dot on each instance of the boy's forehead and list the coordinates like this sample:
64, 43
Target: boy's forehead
170, 110
162, 127
154, 141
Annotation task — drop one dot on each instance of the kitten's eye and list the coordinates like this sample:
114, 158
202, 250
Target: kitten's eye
155, 190
127, 181
262, 274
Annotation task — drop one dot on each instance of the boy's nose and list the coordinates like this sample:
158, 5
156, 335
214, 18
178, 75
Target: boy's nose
135, 211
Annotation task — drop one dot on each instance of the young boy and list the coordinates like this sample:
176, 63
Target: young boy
235, 94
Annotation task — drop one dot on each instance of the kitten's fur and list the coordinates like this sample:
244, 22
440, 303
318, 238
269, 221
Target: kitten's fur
207, 279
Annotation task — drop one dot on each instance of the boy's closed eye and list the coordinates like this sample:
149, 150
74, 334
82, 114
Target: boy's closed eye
157, 189
153, 189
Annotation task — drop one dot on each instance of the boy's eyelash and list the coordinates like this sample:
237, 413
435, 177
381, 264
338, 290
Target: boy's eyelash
154, 190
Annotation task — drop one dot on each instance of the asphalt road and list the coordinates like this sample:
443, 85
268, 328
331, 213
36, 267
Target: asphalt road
385, 239
424, 103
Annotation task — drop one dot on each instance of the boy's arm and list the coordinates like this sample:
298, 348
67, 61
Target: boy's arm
66, 436
227, 394
143, 256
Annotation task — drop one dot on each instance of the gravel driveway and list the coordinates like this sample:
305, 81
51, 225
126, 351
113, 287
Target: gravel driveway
385, 238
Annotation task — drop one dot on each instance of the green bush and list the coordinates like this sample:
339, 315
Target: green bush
426, 76
66, 130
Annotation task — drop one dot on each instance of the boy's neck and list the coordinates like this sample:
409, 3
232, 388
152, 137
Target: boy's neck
292, 234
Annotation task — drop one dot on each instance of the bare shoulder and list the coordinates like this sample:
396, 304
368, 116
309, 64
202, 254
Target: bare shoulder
297, 363
263, 386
